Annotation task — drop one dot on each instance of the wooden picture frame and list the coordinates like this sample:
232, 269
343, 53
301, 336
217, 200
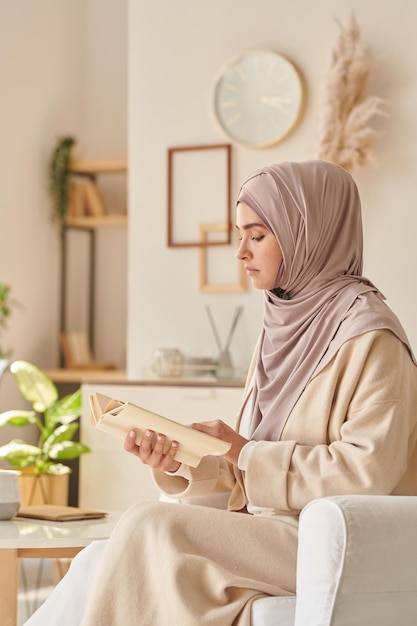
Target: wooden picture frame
204, 285
207, 199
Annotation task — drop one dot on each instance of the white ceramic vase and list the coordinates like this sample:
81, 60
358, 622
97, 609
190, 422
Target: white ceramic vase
9, 494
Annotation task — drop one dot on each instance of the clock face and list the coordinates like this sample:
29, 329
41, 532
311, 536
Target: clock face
258, 98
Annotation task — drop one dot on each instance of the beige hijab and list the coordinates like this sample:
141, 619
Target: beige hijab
322, 300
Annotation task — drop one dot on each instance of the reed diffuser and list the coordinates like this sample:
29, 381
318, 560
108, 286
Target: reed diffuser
224, 367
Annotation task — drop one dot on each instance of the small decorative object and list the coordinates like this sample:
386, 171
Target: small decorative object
9, 494
345, 136
195, 365
258, 98
167, 362
224, 361
78, 354
58, 177
224, 365
54, 417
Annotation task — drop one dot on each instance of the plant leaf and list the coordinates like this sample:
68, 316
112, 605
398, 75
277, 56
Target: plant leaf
65, 411
34, 385
70, 404
58, 176
67, 450
57, 469
65, 432
18, 418
19, 453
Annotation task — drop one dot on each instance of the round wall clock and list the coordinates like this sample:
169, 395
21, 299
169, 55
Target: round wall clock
258, 98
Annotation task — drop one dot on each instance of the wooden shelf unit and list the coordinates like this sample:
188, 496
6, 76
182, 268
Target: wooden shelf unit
89, 170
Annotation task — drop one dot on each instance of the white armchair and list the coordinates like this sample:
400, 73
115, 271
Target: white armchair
356, 565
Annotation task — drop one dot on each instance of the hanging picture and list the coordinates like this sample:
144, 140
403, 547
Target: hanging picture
198, 192
212, 277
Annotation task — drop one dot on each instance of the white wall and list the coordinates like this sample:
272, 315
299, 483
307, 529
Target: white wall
175, 51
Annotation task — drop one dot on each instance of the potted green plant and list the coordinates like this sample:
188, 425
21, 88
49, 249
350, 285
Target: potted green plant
58, 170
5, 312
55, 419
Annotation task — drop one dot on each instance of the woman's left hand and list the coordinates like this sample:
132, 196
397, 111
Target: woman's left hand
222, 431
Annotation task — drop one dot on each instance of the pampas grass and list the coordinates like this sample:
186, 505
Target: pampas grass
344, 134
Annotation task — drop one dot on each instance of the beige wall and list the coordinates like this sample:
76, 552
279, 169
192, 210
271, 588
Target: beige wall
63, 69
175, 50
40, 60
103, 135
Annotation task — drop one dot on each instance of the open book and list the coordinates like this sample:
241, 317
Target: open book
118, 418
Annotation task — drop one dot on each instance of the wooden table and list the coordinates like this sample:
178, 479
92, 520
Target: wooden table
40, 539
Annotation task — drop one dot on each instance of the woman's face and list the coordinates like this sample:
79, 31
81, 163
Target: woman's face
259, 250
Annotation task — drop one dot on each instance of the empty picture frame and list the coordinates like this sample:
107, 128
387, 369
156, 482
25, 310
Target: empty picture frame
208, 277
199, 182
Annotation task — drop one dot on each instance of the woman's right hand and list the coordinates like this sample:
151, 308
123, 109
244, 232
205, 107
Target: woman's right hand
151, 453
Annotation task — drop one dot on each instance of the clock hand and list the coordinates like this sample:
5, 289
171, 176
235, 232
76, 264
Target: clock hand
273, 100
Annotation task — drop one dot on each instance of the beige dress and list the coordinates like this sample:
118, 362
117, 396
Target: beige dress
353, 430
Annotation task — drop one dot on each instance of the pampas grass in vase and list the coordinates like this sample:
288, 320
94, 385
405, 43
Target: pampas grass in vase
344, 134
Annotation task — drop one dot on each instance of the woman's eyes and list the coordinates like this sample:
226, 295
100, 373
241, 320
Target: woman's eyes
253, 238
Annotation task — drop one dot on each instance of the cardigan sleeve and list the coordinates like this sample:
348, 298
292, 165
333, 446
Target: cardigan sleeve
352, 431
213, 475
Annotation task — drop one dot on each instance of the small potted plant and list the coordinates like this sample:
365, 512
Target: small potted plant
55, 419
6, 305
58, 170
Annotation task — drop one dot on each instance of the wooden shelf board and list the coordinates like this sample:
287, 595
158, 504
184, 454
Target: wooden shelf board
96, 221
119, 377
64, 375
105, 166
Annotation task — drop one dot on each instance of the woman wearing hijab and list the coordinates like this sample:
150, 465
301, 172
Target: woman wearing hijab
329, 408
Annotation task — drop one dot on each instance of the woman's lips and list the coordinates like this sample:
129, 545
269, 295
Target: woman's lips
251, 271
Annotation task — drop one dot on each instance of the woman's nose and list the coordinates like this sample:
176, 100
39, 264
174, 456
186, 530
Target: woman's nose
241, 252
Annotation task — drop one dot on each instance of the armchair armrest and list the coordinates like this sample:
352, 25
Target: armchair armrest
357, 562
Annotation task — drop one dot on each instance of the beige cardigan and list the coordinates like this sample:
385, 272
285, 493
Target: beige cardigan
353, 430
